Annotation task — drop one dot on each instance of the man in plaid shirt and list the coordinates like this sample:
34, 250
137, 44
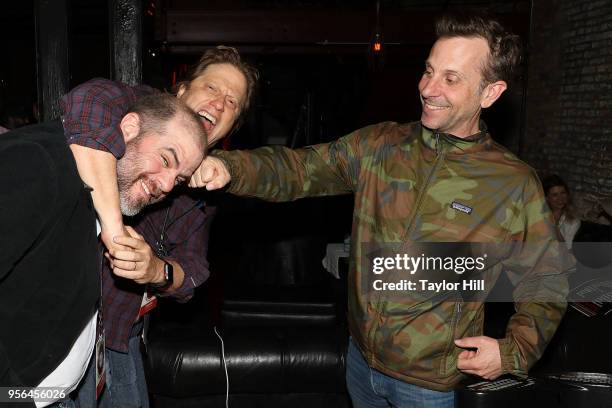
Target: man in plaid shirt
169, 235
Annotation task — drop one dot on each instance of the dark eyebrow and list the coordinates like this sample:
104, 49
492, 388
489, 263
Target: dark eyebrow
176, 160
178, 163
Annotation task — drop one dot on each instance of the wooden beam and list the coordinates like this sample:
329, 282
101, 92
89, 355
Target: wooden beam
125, 29
313, 27
304, 31
52, 64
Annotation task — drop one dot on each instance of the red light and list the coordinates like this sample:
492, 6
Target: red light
377, 46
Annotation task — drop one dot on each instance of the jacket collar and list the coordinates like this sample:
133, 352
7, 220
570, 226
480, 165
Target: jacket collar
447, 142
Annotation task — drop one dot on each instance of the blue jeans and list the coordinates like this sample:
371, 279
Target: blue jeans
370, 388
125, 387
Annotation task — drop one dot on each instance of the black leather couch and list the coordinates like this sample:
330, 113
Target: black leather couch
275, 366
281, 349
280, 314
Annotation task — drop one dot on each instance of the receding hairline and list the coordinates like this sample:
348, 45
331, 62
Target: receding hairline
485, 58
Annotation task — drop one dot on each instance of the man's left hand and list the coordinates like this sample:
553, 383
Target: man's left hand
483, 359
137, 262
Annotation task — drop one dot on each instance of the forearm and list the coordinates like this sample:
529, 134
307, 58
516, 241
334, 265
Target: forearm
540, 302
98, 169
529, 332
281, 174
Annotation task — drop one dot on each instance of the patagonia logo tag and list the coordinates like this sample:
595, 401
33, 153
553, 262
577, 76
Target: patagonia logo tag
461, 207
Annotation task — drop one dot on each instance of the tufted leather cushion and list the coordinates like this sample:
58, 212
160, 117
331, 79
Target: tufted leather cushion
259, 360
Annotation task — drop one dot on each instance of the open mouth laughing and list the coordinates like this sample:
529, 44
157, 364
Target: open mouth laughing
152, 195
210, 121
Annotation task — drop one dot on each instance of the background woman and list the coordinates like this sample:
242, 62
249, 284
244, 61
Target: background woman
560, 202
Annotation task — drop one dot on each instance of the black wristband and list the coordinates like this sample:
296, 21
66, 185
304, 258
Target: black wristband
168, 278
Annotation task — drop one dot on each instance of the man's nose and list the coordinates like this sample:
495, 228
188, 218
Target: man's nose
219, 102
429, 87
166, 182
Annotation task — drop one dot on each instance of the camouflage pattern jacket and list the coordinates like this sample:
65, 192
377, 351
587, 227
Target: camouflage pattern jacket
404, 178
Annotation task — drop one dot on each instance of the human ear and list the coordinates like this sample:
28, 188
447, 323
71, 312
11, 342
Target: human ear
492, 92
181, 90
130, 126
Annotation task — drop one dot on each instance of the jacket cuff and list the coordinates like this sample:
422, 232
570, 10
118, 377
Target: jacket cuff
231, 167
510, 358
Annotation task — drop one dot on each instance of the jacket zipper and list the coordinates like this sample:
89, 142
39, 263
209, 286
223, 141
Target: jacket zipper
440, 153
453, 326
458, 312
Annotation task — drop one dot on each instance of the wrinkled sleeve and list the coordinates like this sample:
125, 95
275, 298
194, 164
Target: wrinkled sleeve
191, 252
539, 265
92, 112
282, 174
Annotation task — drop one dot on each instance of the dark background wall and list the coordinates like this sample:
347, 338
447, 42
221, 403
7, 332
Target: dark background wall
319, 79
569, 97
17, 64
313, 54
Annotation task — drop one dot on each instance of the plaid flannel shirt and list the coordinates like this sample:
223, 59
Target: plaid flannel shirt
91, 114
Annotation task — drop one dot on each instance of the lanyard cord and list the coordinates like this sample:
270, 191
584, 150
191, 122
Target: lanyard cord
160, 247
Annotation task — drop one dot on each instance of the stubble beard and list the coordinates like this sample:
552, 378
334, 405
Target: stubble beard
129, 170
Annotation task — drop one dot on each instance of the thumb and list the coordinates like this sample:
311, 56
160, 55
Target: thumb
209, 173
213, 185
468, 342
133, 232
110, 244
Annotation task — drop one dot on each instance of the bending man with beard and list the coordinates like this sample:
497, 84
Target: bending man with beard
49, 281
171, 236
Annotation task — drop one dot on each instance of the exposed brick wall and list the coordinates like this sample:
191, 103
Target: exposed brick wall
569, 96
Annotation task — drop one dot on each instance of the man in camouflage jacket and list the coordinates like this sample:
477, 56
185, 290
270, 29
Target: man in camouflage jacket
442, 179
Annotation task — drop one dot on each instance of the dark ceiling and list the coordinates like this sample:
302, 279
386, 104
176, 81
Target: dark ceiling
494, 5
313, 26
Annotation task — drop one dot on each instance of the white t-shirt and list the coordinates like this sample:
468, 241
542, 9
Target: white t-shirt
71, 370
568, 229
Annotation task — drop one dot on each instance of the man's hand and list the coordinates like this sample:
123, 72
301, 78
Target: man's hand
137, 261
212, 174
484, 362
107, 234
